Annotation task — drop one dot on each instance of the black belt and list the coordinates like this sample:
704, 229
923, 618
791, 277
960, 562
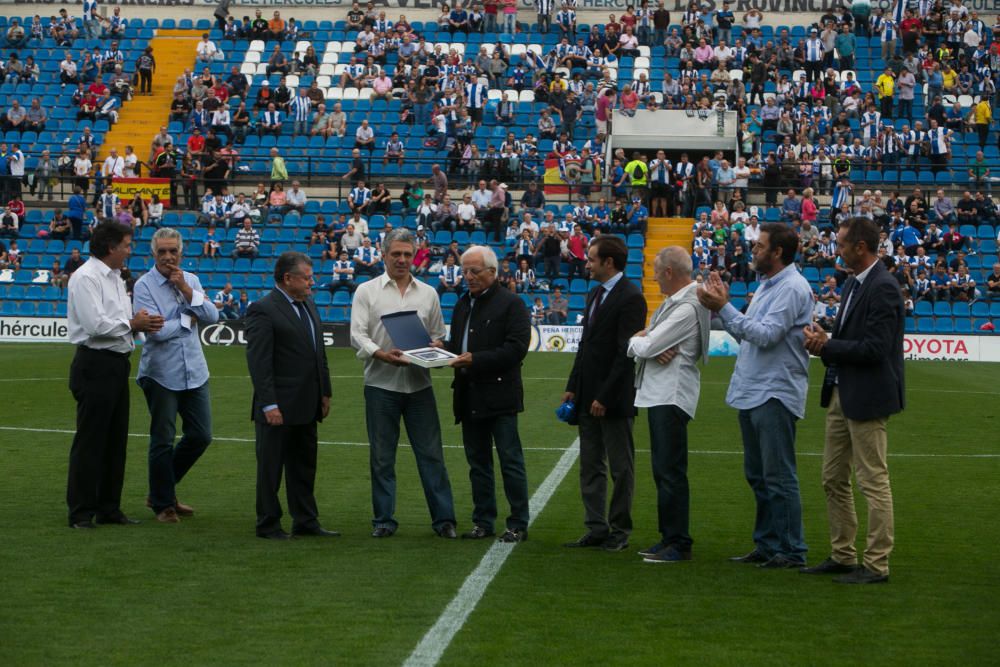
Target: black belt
120, 355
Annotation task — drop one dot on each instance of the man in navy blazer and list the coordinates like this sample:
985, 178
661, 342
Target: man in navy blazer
862, 387
602, 385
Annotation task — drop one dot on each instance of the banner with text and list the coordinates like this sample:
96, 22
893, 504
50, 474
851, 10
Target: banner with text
233, 332
33, 330
127, 188
544, 338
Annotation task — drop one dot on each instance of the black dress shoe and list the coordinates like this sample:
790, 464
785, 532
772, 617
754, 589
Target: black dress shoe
514, 535
754, 556
275, 535
862, 575
120, 520
447, 531
588, 540
829, 566
383, 531
314, 532
83, 525
615, 544
780, 563
477, 533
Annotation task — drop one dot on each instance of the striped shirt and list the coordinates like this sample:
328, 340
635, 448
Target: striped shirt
300, 107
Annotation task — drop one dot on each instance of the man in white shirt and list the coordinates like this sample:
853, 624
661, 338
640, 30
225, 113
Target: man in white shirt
364, 137
101, 325
207, 50
296, 199
396, 389
668, 383
466, 214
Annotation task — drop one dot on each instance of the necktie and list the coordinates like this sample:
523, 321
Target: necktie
847, 302
306, 320
598, 300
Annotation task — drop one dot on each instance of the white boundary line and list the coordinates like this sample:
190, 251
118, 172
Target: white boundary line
701, 452
436, 641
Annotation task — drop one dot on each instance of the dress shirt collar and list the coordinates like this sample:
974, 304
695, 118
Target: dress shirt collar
610, 283
104, 269
679, 294
385, 280
864, 274
291, 301
773, 281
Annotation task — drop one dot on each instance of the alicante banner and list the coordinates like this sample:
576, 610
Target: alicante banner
128, 188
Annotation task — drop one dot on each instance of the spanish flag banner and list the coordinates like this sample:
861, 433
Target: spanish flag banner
554, 181
560, 173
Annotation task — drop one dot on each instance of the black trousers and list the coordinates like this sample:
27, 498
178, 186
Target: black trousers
98, 380
290, 449
669, 453
606, 448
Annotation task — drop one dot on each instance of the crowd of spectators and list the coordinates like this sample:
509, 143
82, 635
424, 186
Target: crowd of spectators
808, 123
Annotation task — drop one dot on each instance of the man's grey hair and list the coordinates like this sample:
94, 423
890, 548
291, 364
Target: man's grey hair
675, 257
167, 233
489, 257
399, 235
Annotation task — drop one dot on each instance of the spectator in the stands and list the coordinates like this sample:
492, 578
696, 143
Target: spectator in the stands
944, 208
450, 279
10, 222
227, 301
247, 241
364, 137
993, 283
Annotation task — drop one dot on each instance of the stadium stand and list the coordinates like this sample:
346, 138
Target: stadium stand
364, 106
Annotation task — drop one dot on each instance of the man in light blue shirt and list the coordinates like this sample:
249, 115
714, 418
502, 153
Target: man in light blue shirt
173, 373
768, 387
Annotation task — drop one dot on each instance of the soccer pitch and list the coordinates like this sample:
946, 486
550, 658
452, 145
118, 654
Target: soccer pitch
207, 592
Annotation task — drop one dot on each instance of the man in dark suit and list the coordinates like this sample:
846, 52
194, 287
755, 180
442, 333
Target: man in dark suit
491, 331
291, 392
862, 387
602, 386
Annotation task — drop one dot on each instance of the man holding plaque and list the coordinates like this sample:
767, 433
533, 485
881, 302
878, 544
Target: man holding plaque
395, 388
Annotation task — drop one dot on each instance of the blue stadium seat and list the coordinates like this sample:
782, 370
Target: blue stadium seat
944, 325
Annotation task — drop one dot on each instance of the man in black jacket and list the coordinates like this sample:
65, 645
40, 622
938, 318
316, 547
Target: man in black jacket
862, 387
602, 385
291, 393
491, 330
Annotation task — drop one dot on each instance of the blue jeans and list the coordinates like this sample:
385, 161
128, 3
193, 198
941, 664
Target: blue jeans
168, 464
769, 465
383, 410
479, 436
422, 115
509, 24
669, 453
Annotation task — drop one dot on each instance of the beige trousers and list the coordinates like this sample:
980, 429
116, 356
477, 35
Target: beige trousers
858, 446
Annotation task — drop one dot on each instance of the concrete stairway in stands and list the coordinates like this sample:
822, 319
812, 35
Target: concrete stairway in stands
142, 117
662, 232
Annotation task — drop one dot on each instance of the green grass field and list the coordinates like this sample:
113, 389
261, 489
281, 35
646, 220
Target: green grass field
207, 592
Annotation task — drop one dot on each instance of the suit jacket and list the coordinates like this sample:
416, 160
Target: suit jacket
866, 349
286, 368
602, 370
499, 335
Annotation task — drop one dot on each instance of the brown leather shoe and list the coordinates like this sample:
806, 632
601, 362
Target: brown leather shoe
168, 515
182, 509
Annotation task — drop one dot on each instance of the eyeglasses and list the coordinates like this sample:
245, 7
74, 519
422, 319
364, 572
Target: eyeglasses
475, 271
